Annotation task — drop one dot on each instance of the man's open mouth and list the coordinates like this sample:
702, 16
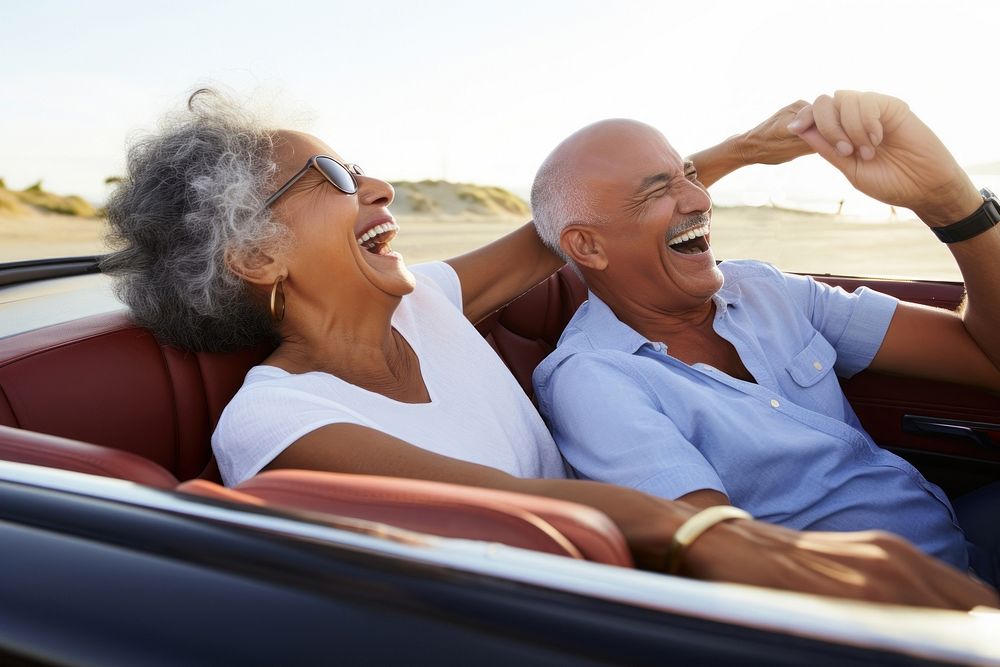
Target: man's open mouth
691, 241
376, 240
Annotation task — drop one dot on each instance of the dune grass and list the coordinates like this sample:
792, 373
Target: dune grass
10, 204
19, 202
446, 198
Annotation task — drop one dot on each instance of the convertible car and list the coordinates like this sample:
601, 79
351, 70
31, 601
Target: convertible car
120, 545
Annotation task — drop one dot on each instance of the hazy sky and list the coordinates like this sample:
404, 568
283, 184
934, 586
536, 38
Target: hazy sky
477, 91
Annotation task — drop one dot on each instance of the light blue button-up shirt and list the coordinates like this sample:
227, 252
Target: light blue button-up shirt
789, 449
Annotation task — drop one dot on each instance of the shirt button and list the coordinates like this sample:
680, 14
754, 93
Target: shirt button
818, 366
775, 403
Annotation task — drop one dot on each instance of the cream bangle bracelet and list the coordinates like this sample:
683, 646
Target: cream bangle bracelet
694, 527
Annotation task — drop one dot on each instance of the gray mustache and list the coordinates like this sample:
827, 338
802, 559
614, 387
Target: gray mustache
689, 223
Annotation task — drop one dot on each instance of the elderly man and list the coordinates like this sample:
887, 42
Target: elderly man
717, 384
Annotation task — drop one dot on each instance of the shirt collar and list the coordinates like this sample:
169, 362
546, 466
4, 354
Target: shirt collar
603, 330
730, 293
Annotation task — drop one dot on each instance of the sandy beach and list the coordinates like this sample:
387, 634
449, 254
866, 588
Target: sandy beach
793, 240
49, 235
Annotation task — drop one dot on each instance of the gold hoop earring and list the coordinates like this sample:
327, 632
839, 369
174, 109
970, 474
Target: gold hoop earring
278, 300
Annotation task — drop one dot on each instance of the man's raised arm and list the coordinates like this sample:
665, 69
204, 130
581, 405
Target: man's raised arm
888, 153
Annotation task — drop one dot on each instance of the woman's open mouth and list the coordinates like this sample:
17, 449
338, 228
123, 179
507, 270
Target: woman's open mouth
691, 242
376, 240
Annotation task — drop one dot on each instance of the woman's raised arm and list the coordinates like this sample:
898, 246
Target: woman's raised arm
771, 142
499, 272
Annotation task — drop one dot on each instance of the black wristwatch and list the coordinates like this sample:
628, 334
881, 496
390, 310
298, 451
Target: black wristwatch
982, 218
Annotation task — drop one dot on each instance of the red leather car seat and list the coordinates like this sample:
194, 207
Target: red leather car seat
449, 510
105, 381
526, 330
100, 395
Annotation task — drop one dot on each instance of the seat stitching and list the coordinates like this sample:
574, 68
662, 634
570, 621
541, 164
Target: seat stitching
3, 395
175, 418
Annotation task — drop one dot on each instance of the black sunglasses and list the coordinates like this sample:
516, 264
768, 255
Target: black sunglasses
341, 176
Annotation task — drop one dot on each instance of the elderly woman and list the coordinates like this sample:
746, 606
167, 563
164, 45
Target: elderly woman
232, 234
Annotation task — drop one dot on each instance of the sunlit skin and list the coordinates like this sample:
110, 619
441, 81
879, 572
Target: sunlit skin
340, 300
637, 182
341, 296
327, 222
638, 186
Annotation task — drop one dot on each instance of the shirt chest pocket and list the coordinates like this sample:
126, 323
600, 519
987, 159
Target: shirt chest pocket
813, 363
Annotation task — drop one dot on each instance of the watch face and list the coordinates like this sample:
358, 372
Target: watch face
990, 209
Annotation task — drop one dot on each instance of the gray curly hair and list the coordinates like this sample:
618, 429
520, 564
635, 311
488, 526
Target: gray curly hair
192, 195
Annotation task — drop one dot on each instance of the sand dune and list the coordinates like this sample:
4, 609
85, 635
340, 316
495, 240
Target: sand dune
446, 199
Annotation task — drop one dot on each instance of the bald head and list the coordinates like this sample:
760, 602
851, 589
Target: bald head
570, 185
602, 143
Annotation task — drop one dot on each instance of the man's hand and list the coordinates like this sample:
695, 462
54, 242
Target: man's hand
872, 565
888, 153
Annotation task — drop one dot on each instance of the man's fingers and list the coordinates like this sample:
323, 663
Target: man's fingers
844, 128
824, 148
804, 125
826, 117
871, 117
852, 120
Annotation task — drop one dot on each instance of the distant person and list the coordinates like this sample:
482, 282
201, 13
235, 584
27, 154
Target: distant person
232, 234
718, 384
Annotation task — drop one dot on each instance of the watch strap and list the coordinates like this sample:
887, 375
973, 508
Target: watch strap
982, 219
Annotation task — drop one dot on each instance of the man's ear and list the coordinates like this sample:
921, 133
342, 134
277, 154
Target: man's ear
255, 266
584, 246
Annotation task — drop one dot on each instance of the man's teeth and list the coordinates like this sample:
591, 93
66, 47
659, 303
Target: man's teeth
376, 230
689, 235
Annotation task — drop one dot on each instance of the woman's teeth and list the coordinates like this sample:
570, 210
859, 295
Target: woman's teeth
376, 230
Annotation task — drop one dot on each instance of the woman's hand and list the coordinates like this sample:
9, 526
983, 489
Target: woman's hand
867, 566
771, 142
888, 153
871, 565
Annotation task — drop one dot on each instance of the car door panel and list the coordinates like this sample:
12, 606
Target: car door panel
951, 432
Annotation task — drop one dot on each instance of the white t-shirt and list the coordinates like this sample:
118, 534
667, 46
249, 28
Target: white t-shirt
477, 411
